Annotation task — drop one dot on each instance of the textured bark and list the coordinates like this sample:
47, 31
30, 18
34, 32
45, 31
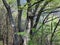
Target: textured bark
29, 24
21, 41
7, 20
26, 38
15, 36
4, 32
19, 15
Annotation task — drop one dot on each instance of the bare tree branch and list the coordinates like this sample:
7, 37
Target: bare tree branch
52, 19
36, 3
43, 22
39, 14
54, 32
52, 8
41, 25
55, 11
36, 7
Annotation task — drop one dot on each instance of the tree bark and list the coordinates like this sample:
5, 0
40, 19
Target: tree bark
21, 41
14, 36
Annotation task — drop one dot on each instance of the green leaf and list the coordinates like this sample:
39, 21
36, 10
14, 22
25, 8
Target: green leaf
33, 29
21, 33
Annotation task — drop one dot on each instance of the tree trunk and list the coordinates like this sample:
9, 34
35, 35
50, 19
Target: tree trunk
13, 25
26, 38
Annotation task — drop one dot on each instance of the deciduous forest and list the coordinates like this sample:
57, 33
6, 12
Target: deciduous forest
29, 22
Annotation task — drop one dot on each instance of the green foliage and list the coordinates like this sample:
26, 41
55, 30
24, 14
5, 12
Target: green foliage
33, 29
1, 43
23, 7
11, 1
45, 32
21, 33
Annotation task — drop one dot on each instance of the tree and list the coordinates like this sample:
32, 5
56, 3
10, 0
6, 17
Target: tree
34, 10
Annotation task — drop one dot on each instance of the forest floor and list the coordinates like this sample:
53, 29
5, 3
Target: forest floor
1, 43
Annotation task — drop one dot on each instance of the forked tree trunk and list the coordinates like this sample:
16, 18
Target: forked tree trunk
26, 38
